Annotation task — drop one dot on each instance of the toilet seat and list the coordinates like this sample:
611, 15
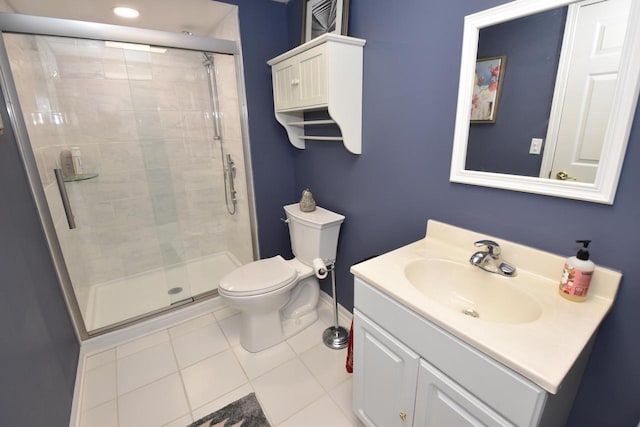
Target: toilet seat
258, 277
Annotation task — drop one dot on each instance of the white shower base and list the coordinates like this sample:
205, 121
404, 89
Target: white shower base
122, 299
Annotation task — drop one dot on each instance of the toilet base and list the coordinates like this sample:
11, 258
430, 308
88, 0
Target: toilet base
291, 327
261, 330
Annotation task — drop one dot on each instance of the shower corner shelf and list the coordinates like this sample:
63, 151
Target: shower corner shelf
323, 74
80, 177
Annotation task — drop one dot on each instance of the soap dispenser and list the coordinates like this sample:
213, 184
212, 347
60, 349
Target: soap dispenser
576, 275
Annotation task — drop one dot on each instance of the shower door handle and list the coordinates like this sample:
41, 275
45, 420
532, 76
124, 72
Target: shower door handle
65, 199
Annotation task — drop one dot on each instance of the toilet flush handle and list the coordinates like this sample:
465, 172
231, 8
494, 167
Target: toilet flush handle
285, 220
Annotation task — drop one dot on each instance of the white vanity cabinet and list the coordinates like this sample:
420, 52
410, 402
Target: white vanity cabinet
410, 372
393, 386
385, 378
322, 74
440, 401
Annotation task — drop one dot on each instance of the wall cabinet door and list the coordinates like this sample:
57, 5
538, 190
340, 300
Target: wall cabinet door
314, 90
385, 375
442, 402
285, 90
301, 82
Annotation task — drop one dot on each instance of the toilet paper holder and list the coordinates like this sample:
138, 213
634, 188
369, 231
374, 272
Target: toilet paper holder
335, 337
320, 268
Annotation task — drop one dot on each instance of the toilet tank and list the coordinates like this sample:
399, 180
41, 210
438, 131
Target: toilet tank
313, 234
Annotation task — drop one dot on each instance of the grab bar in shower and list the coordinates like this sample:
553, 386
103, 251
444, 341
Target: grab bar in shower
65, 198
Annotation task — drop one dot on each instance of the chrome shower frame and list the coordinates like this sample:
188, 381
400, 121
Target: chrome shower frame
35, 25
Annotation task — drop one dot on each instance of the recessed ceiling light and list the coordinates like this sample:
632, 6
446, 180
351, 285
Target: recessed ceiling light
126, 12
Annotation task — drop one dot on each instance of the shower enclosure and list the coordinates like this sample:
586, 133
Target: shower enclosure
135, 144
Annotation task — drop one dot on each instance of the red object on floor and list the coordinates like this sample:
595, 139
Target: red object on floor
349, 364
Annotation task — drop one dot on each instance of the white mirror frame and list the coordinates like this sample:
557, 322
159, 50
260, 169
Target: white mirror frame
617, 135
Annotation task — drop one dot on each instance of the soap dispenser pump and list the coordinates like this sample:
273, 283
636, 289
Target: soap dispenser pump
576, 275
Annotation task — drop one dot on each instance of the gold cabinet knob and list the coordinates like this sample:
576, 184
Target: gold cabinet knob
403, 416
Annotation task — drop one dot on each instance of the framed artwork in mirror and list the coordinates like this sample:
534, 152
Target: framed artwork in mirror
324, 16
487, 84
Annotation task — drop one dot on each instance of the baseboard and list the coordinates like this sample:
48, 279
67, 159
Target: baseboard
74, 418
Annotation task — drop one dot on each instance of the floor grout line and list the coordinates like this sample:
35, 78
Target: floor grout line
184, 387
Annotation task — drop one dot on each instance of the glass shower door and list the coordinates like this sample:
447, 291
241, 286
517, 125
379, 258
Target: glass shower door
130, 129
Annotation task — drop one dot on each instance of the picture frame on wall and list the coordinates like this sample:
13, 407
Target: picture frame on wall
324, 16
487, 86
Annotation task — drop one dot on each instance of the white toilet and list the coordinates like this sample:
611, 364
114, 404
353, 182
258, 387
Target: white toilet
278, 298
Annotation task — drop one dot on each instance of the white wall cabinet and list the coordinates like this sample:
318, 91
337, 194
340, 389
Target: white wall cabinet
300, 82
322, 74
410, 372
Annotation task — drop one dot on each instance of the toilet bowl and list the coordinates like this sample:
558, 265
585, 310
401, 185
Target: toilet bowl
278, 298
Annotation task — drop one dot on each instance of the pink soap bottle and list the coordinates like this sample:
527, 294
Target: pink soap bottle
576, 275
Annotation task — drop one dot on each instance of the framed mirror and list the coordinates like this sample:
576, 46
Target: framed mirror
567, 85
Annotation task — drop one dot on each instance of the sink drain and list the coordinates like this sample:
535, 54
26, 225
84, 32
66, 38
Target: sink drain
174, 291
471, 312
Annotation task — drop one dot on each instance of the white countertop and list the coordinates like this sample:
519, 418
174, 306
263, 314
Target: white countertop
542, 350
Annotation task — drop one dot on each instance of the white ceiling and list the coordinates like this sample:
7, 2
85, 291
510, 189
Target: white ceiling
197, 16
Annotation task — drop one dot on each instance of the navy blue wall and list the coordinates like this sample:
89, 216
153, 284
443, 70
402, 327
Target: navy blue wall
532, 48
38, 348
411, 71
264, 33
411, 64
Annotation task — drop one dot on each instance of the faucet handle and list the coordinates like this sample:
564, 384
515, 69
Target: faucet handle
492, 247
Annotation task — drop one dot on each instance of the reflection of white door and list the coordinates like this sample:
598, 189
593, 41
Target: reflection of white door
587, 76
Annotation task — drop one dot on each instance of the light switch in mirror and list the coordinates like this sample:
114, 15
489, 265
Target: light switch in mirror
572, 77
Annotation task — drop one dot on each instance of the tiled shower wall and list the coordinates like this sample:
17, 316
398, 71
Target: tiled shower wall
142, 121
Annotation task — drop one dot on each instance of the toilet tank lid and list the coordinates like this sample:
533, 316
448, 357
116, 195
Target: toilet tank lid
259, 277
319, 218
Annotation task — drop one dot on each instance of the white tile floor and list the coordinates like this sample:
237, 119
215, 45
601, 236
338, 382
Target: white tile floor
179, 375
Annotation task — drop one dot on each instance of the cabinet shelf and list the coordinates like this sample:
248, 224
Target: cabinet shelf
322, 138
323, 74
312, 122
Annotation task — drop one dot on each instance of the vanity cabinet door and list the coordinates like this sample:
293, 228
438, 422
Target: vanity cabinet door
440, 401
300, 82
385, 375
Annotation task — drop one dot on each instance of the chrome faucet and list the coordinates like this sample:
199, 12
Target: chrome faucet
490, 259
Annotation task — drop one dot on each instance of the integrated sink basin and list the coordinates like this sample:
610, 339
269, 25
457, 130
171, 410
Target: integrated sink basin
473, 292
522, 321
